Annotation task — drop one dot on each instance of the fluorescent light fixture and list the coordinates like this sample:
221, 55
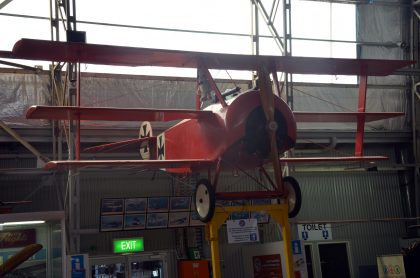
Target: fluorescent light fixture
22, 223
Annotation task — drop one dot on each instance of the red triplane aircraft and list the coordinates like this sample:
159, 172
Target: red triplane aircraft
240, 130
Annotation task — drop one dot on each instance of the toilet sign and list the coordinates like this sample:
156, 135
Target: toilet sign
312, 232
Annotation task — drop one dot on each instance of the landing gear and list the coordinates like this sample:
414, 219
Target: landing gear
294, 197
204, 200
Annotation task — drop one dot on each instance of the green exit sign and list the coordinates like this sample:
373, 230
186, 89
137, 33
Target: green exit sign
128, 245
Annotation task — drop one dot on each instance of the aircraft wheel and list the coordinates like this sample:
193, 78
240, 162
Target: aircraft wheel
204, 200
294, 197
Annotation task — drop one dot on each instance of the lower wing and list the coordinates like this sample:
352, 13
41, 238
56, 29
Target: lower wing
296, 160
186, 165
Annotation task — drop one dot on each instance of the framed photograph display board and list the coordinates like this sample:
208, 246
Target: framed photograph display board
158, 204
179, 219
134, 221
135, 205
157, 220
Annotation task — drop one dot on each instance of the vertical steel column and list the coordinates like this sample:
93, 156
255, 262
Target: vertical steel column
287, 42
74, 177
415, 101
255, 40
54, 20
77, 143
58, 92
56, 81
269, 20
73, 174
255, 29
58, 10
63, 247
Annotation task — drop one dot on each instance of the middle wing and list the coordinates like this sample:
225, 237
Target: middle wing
310, 117
113, 114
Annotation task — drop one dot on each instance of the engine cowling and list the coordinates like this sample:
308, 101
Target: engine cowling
256, 139
246, 116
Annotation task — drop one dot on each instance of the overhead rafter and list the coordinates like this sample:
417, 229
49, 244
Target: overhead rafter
269, 20
18, 138
4, 3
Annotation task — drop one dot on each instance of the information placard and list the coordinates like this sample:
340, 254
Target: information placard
391, 266
243, 230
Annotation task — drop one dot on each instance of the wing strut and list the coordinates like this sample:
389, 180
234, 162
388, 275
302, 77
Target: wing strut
212, 84
361, 118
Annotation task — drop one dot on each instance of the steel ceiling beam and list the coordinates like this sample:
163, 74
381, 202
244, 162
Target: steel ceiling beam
25, 143
4, 3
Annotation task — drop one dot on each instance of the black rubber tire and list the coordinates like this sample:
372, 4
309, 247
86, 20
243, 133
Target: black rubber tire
207, 215
293, 187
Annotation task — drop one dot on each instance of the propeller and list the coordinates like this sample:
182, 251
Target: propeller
267, 102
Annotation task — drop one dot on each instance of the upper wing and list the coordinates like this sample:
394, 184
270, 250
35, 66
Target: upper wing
343, 116
149, 164
112, 114
131, 56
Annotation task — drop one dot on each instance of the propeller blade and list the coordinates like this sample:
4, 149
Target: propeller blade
267, 102
266, 93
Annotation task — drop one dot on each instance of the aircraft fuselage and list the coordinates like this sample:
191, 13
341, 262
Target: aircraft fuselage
236, 134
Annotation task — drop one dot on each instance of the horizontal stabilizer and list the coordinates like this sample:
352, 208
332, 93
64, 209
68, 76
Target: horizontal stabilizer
130, 56
6, 54
149, 164
112, 114
297, 160
12, 203
343, 116
120, 145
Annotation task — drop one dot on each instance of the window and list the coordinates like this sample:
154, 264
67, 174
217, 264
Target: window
322, 29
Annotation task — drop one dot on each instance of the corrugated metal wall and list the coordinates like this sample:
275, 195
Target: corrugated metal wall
231, 262
42, 190
352, 196
334, 195
97, 185
337, 196
326, 196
